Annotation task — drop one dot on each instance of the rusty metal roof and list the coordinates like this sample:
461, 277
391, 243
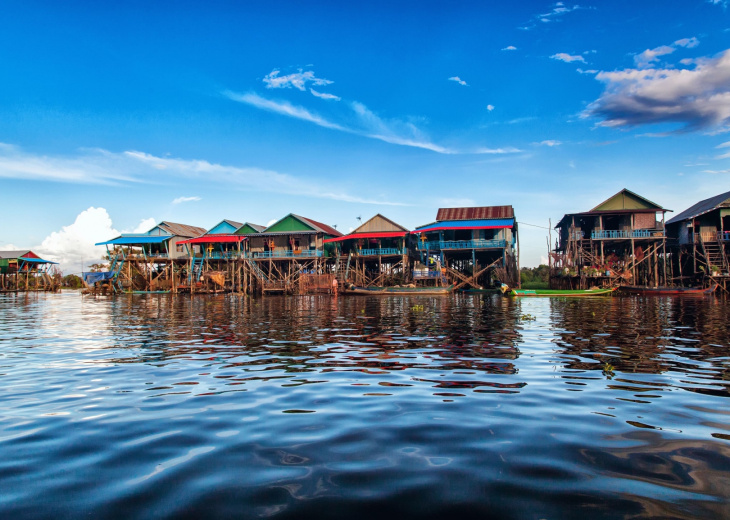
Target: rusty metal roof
181, 230
484, 212
324, 228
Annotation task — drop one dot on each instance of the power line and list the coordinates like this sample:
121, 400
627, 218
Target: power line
533, 225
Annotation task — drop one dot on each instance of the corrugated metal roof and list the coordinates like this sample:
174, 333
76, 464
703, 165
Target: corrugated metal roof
181, 230
324, 228
14, 254
257, 227
483, 212
233, 223
703, 206
650, 203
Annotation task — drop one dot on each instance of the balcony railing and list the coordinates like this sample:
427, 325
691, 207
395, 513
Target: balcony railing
424, 273
461, 244
710, 236
617, 233
725, 236
381, 251
288, 253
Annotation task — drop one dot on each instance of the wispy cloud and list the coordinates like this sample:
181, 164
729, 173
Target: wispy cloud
297, 80
567, 58
132, 166
458, 80
587, 71
549, 142
698, 99
650, 56
180, 200
324, 95
558, 10
509, 48
716, 172
490, 107
360, 121
282, 107
723, 145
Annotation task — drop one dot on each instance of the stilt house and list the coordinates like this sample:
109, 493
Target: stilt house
374, 254
471, 247
702, 234
620, 241
24, 270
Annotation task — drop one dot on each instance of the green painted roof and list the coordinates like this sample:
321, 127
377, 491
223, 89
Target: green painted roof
289, 223
626, 199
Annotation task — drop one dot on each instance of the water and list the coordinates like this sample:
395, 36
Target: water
358, 407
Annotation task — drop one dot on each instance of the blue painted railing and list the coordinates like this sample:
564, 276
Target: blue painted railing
615, 233
304, 253
461, 244
381, 251
422, 273
724, 236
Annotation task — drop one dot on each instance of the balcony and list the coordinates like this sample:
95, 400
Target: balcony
381, 251
425, 274
618, 233
710, 236
288, 253
461, 244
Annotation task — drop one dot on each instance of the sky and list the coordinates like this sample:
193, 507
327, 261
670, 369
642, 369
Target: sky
115, 116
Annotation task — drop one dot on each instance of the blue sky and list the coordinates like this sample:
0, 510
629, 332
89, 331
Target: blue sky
113, 117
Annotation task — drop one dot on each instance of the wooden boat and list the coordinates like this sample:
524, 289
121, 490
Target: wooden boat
399, 290
479, 291
560, 293
668, 291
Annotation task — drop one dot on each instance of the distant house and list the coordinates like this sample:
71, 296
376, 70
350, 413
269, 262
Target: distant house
22, 261
220, 242
373, 254
473, 243
622, 239
702, 233
162, 241
293, 236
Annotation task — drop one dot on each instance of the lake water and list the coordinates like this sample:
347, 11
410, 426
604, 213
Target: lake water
468, 406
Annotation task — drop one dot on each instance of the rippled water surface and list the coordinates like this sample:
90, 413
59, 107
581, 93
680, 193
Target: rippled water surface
363, 407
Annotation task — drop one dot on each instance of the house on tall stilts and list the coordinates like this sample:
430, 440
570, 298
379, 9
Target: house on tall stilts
619, 242
702, 235
469, 247
284, 256
25, 271
374, 254
153, 261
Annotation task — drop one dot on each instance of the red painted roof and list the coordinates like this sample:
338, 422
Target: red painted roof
357, 236
324, 227
484, 212
214, 239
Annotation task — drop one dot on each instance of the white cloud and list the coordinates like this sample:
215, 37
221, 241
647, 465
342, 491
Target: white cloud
74, 244
180, 200
272, 222
723, 156
723, 145
490, 107
698, 99
324, 95
716, 171
495, 151
550, 143
9, 247
18, 164
143, 227
297, 80
282, 107
587, 71
687, 42
650, 56
458, 80
567, 58
559, 9
510, 48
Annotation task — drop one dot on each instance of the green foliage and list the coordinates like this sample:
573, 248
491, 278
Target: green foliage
537, 274
72, 281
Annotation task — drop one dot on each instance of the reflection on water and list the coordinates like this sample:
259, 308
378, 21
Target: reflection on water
292, 407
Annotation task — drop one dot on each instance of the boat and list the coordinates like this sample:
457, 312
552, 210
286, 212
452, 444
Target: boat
560, 293
479, 291
399, 290
668, 291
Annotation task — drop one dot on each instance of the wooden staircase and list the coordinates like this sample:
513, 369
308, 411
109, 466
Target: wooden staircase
714, 254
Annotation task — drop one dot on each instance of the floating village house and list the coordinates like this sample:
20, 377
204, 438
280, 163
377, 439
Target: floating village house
291, 247
374, 254
620, 241
155, 260
702, 234
25, 271
469, 247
